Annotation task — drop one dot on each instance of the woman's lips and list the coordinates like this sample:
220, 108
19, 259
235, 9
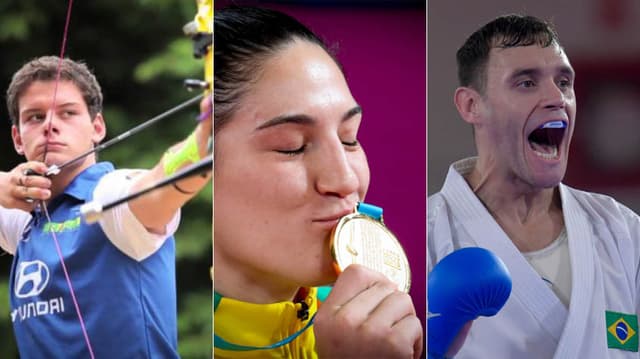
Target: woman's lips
332, 220
327, 223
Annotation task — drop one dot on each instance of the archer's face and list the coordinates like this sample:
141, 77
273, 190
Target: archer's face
288, 166
67, 130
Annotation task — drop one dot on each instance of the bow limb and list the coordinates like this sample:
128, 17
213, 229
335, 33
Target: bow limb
201, 32
193, 149
204, 19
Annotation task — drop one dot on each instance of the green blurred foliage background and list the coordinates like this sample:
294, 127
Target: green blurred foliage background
140, 56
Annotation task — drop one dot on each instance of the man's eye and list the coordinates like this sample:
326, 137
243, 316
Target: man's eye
353, 143
36, 117
527, 83
565, 83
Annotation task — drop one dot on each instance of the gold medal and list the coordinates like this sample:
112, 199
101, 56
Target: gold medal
361, 239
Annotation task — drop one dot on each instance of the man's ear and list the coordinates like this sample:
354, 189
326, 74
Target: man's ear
17, 140
469, 104
99, 129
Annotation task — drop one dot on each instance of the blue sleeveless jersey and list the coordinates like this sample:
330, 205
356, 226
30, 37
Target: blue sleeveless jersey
129, 307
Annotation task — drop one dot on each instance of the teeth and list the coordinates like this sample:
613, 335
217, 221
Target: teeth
554, 124
549, 156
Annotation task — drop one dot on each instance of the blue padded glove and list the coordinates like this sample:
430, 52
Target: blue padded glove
467, 283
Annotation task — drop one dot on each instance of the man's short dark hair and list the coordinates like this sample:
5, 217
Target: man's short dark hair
45, 68
503, 32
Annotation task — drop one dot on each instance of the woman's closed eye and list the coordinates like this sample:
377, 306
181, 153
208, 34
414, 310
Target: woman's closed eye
292, 151
354, 143
302, 148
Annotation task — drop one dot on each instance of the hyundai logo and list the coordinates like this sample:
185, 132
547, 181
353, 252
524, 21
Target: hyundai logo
31, 278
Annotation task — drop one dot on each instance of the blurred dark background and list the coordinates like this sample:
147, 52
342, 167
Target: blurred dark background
140, 56
601, 41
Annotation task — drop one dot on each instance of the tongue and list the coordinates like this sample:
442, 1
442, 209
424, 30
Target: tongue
548, 150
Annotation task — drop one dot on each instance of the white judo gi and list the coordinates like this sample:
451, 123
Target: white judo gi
604, 247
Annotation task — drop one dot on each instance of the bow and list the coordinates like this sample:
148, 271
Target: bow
201, 32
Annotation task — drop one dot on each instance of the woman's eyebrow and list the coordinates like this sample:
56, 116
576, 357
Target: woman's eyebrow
352, 112
285, 119
302, 119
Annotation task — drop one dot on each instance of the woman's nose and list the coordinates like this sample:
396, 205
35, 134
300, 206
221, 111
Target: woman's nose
336, 174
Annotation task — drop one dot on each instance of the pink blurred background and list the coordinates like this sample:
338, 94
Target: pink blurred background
382, 47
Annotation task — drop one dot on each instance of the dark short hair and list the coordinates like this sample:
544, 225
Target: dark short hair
244, 38
45, 68
503, 32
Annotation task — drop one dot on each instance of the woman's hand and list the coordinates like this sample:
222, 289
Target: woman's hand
366, 316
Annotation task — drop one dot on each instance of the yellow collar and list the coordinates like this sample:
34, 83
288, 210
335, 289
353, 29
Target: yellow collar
260, 325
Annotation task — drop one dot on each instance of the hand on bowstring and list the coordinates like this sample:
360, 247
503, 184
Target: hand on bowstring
24, 185
366, 316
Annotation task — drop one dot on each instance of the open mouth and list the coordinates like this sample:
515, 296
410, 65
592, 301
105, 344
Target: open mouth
545, 140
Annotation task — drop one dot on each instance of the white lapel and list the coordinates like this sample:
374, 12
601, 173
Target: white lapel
529, 292
581, 252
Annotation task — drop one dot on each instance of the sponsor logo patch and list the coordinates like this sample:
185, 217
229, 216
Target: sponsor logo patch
67, 225
31, 278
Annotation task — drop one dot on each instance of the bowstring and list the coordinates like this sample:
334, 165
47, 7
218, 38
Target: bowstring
43, 204
68, 279
58, 71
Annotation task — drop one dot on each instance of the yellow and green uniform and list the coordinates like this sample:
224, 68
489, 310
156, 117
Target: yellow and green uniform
260, 325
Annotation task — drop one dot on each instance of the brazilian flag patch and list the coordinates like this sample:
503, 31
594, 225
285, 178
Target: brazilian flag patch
622, 331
